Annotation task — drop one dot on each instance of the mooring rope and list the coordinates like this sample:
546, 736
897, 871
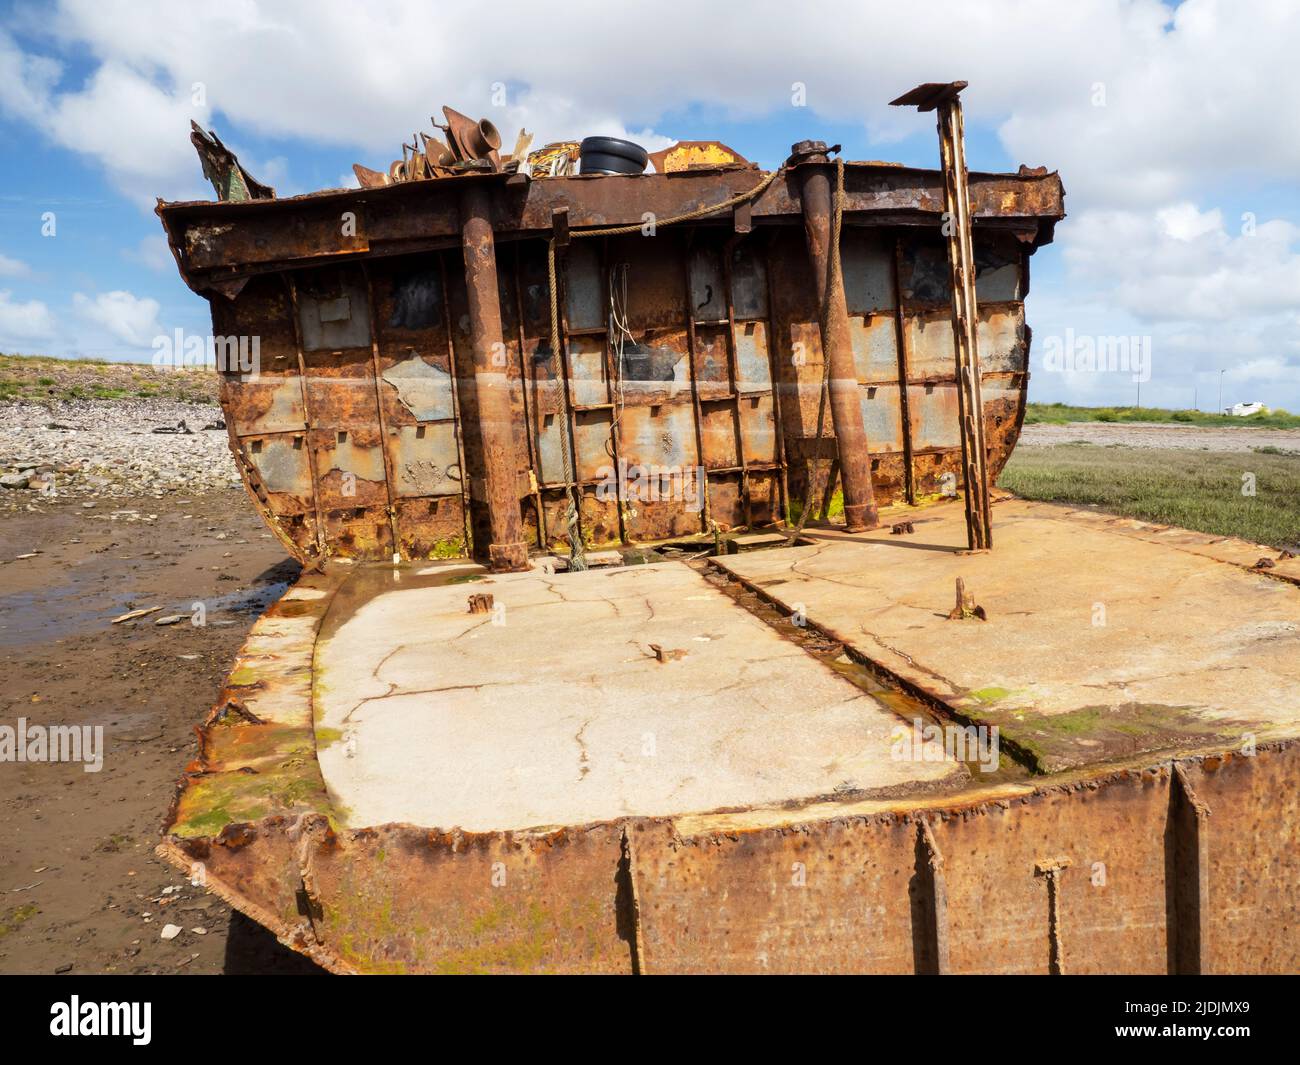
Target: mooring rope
577, 550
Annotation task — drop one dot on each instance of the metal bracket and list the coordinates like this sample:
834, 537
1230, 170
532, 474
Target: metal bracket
560, 227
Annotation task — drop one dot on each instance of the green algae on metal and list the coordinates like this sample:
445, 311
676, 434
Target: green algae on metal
1100, 733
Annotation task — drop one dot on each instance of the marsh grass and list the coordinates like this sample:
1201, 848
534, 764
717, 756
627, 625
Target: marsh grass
1199, 490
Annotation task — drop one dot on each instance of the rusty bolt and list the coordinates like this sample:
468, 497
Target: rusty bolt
666, 654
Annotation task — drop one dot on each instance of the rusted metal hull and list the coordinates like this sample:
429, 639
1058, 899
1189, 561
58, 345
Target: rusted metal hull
1173, 862
1149, 881
406, 405
658, 896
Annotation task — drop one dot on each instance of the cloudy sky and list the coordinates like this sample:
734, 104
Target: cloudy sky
1175, 127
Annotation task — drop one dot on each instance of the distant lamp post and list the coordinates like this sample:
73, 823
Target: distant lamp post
1221, 373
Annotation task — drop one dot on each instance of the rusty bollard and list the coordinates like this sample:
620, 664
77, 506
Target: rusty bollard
480, 603
966, 606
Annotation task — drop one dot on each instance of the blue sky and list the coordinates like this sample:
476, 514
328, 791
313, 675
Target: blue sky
1174, 129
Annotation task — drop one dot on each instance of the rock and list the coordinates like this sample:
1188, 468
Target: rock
15, 480
170, 619
171, 931
131, 615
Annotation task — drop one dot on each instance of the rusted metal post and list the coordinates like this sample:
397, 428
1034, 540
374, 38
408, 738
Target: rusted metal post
507, 550
846, 406
961, 269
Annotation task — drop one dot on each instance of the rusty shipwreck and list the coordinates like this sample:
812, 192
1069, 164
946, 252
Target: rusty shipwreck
442, 752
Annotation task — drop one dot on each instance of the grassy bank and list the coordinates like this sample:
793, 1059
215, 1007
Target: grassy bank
1195, 489
39, 378
1061, 413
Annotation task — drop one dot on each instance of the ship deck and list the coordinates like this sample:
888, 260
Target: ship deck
619, 739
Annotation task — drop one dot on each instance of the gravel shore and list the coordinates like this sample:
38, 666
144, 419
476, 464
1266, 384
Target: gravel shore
1163, 436
109, 449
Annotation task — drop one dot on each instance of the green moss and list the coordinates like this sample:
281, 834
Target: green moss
243, 677
453, 547
1093, 734
16, 917
118, 841
990, 695
213, 801
326, 737
487, 921
206, 824
522, 954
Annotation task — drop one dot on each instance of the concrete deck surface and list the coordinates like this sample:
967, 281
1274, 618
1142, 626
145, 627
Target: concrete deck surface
1104, 637
556, 710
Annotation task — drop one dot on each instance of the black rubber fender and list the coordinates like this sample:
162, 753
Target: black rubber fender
610, 155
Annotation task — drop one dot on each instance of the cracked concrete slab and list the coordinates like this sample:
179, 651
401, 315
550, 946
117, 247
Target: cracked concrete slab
554, 708
1104, 638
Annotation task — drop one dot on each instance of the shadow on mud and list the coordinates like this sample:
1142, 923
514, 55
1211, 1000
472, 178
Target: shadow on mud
251, 950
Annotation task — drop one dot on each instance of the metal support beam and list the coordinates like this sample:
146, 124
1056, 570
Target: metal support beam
930, 933
1051, 870
814, 174
944, 98
1188, 866
507, 550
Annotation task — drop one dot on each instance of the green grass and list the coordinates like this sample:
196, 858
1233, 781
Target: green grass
1194, 489
1060, 413
41, 379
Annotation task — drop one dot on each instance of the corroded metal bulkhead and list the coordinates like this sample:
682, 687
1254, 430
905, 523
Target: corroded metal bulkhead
406, 400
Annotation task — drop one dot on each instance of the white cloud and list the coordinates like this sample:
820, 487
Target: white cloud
1211, 294
13, 267
130, 319
21, 323
1179, 264
1146, 109
1186, 91
1183, 221
153, 252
